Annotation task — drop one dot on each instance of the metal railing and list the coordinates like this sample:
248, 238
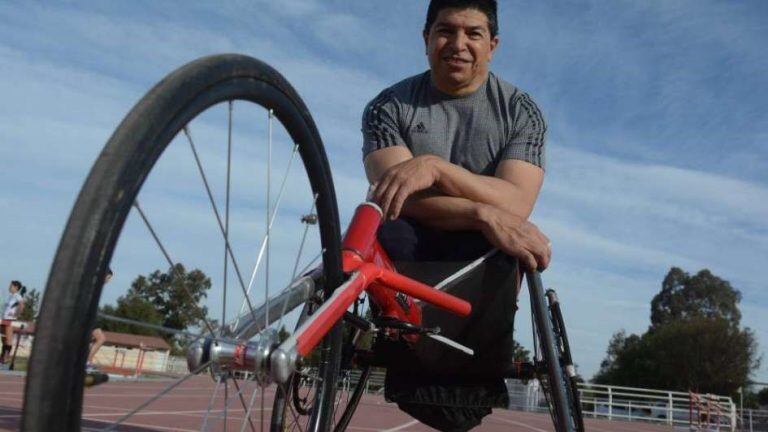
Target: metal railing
375, 382
702, 411
751, 420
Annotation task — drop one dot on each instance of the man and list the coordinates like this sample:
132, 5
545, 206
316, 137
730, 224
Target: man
456, 148
455, 158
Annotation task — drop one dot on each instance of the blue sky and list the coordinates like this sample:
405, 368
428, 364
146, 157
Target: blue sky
658, 132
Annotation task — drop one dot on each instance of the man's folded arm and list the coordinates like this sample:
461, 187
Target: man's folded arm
514, 190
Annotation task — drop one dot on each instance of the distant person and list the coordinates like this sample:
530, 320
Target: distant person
14, 306
97, 336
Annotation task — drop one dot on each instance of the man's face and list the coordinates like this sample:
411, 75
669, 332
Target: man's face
459, 47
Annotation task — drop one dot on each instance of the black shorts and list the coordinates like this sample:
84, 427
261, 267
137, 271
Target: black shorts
438, 385
406, 240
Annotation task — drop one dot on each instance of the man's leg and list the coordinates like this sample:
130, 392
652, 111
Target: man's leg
98, 341
406, 239
7, 342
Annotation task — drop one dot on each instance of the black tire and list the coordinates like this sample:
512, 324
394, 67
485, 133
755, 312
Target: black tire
288, 398
553, 375
354, 400
54, 387
564, 350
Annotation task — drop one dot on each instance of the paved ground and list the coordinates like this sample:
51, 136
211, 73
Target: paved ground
184, 409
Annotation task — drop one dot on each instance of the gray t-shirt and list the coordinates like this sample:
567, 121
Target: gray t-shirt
476, 131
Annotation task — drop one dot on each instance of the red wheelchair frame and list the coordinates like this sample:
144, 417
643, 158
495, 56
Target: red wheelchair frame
370, 270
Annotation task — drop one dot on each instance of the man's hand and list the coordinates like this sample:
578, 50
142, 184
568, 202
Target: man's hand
402, 180
516, 237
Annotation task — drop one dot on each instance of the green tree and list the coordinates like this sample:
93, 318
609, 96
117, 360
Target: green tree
31, 302
168, 299
684, 296
626, 362
694, 341
176, 295
519, 353
132, 306
762, 397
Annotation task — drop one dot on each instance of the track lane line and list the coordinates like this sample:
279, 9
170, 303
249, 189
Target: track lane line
402, 426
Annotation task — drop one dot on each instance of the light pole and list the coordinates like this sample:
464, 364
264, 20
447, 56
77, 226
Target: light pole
741, 408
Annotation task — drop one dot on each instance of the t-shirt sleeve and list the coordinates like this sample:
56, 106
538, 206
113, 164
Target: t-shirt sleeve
529, 130
380, 123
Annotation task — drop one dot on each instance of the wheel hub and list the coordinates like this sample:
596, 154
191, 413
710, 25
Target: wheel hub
252, 356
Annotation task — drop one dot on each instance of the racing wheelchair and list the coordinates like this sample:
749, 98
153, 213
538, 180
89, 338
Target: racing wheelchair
324, 295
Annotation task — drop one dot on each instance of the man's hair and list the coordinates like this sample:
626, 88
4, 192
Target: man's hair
488, 7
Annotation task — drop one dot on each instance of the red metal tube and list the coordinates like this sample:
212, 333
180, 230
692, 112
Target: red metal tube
424, 292
331, 311
361, 233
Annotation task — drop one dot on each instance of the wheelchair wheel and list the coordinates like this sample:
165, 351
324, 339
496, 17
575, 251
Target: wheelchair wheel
206, 92
291, 410
564, 352
554, 372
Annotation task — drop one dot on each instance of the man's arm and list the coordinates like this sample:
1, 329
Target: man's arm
396, 169
397, 175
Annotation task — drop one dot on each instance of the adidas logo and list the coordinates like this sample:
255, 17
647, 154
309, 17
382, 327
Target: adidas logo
420, 128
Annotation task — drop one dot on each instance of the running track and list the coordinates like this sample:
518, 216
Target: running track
184, 409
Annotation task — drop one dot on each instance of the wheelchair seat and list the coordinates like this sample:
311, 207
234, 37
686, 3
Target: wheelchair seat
439, 385
491, 288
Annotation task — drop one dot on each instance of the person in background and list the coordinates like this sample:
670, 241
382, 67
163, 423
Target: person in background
97, 336
13, 308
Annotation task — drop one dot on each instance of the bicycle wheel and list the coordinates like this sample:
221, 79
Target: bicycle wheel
291, 410
566, 360
550, 368
202, 91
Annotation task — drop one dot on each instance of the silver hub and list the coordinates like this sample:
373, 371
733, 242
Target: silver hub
225, 357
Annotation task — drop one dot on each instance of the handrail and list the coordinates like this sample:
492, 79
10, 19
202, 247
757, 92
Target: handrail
632, 404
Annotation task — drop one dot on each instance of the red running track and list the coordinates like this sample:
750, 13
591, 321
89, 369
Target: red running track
184, 408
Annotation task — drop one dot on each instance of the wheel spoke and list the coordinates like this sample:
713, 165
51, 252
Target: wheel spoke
170, 261
262, 408
227, 399
248, 411
218, 216
285, 302
289, 403
210, 405
265, 239
160, 328
157, 396
242, 402
269, 227
226, 405
226, 213
226, 241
